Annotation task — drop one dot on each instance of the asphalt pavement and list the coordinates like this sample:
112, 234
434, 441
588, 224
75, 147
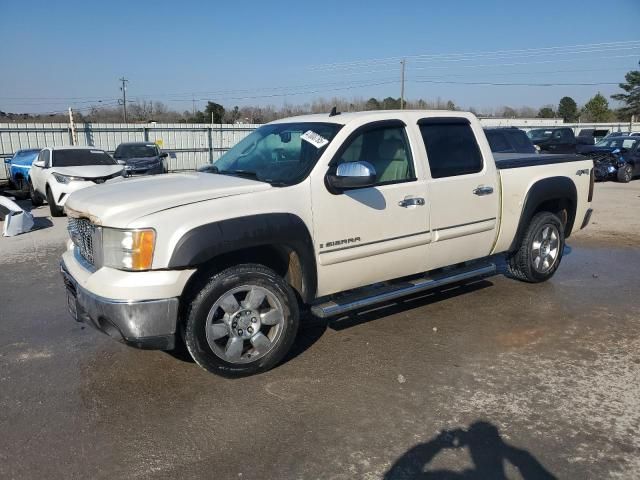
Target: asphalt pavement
492, 379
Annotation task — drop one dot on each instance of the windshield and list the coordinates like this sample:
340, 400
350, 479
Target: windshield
135, 151
80, 158
539, 134
281, 153
26, 155
627, 143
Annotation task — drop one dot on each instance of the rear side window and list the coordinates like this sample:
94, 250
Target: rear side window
498, 142
520, 141
452, 149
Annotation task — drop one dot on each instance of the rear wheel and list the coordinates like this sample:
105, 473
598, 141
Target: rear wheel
36, 199
242, 322
625, 173
56, 211
540, 249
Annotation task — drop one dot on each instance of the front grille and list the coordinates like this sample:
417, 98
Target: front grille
82, 232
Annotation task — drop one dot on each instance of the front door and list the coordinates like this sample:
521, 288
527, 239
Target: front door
367, 235
463, 190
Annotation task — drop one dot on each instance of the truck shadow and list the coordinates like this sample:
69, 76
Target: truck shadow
486, 447
312, 328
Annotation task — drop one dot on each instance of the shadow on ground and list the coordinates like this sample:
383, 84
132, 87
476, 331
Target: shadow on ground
488, 451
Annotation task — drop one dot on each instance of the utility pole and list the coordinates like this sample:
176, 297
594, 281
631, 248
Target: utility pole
72, 126
124, 97
402, 64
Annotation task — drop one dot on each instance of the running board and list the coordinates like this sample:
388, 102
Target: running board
392, 292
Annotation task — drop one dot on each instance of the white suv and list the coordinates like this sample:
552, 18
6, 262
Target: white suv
59, 171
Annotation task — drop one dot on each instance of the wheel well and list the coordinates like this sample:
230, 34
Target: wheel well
563, 208
282, 259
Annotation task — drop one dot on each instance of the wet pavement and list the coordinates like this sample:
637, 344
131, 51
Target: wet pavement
492, 378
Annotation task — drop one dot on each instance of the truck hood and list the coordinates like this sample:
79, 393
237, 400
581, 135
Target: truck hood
121, 201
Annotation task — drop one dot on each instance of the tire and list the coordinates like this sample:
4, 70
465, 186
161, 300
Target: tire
625, 173
56, 211
534, 261
262, 323
36, 199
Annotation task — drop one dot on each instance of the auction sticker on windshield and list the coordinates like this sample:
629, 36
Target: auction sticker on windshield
314, 139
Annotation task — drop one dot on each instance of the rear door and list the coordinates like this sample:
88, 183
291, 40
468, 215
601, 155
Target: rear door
463, 191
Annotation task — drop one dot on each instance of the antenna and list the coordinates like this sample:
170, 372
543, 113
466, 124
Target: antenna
334, 112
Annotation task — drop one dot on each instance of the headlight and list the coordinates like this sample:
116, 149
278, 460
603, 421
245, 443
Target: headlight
65, 178
128, 249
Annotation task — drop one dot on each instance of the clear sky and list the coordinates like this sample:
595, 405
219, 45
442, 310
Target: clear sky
60, 53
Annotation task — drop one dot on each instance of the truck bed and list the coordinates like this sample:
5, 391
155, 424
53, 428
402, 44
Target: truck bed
519, 160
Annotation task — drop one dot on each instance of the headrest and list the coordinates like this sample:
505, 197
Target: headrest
392, 149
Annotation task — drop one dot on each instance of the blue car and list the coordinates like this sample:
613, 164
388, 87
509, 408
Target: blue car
18, 167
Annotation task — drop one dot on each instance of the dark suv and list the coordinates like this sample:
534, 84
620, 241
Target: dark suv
141, 158
509, 140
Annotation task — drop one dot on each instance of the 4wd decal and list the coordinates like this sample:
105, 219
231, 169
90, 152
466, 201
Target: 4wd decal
336, 243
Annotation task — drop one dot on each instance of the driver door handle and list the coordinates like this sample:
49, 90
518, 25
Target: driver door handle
482, 190
410, 202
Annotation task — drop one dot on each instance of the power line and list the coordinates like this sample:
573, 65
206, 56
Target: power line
580, 48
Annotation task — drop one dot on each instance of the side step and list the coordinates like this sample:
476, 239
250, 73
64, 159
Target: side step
384, 294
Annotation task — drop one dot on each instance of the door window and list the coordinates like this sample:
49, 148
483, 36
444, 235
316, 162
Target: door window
387, 149
452, 149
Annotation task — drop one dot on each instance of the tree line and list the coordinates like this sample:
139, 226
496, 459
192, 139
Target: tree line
597, 109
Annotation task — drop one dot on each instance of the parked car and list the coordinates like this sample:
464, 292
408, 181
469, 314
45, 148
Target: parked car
558, 140
616, 158
509, 140
59, 171
313, 212
596, 134
141, 158
18, 166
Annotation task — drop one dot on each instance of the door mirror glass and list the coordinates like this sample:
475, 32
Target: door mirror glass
352, 175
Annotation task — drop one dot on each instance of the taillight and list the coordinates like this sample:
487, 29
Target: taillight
592, 180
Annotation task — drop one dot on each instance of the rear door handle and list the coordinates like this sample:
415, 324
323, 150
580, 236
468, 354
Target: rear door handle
410, 202
482, 190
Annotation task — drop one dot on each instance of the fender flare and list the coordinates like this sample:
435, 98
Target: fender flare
206, 242
547, 189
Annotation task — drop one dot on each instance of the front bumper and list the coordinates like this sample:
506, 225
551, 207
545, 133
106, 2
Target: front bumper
149, 324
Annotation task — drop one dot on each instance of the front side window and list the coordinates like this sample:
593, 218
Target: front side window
81, 158
452, 149
279, 153
387, 149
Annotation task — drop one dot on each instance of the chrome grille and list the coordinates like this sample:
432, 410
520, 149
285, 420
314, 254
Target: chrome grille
82, 232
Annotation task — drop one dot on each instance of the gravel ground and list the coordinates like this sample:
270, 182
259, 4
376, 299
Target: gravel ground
495, 379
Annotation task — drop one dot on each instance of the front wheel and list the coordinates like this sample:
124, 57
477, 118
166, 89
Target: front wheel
540, 250
625, 173
56, 211
242, 322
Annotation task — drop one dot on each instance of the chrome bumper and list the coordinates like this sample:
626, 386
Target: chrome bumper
147, 324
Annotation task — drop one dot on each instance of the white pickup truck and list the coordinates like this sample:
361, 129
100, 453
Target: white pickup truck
330, 213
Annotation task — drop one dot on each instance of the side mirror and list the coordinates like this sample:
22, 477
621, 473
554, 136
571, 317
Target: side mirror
352, 175
39, 163
121, 162
163, 155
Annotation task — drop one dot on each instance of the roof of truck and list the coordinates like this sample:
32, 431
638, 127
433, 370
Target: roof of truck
347, 117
